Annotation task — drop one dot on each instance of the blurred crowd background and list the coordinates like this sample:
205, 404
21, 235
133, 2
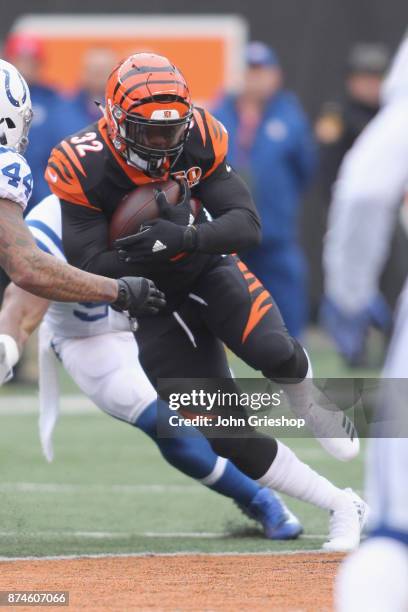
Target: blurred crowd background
312, 74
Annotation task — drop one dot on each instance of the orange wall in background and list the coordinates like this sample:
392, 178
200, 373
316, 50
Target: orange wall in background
209, 49
200, 59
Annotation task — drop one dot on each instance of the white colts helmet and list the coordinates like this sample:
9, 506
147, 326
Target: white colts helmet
15, 108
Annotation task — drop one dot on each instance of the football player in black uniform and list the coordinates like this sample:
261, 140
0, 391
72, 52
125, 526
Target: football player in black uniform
150, 131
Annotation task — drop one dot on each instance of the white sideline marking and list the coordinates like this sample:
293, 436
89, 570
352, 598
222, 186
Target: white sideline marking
46, 487
196, 553
40, 487
16, 405
113, 534
126, 535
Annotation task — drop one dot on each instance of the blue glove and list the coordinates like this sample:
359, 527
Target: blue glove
349, 332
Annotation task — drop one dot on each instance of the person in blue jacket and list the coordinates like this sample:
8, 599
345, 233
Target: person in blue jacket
271, 145
82, 108
26, 52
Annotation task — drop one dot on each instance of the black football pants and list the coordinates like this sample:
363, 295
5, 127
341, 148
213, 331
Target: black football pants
227, 305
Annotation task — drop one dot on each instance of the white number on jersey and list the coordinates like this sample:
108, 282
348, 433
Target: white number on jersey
92, 144
16, 180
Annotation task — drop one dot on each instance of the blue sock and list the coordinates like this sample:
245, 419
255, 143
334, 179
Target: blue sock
186, 449
235, 484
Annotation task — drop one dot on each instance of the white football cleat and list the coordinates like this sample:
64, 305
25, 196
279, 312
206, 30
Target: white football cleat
347, 522
334, 431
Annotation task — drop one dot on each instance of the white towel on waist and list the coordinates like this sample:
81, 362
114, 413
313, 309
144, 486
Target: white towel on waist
49, 391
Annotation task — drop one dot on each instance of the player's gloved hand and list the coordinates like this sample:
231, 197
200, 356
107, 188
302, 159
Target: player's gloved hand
138, 296
349, 331
9, 356
159, 240
181, 213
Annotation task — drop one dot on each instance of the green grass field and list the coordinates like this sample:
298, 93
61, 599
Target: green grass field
109, 491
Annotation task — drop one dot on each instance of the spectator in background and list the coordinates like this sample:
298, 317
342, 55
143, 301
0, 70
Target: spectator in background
271, 145
337, 127
47, 129
82, 109
341, 122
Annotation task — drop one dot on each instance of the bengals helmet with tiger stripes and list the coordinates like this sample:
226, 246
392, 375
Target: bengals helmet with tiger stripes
148, 112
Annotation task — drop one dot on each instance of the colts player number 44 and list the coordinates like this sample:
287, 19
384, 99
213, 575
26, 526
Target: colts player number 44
27, 265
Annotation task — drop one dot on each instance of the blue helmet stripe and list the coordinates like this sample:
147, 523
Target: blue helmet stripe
10, 96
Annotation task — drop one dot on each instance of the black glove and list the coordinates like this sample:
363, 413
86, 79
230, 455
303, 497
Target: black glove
181, 213
138, 296
159, 241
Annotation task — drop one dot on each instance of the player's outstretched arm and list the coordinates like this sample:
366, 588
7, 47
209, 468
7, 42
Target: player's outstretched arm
41, 274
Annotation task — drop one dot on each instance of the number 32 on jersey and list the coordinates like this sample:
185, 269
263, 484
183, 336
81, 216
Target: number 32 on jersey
85, 143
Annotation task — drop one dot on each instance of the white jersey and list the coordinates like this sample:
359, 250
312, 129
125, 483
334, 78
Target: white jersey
70, 320
16, 180
370, 187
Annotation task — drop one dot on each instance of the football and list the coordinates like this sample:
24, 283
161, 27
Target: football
140, 206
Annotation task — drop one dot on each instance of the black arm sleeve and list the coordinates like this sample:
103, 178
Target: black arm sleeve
86, 245
236, 225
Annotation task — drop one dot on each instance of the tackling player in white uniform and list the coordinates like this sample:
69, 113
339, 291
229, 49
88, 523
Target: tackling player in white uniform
97, 349
105, 365
27, 265
370, 189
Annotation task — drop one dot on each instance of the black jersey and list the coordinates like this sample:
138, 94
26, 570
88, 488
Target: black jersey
91, 178
85, 169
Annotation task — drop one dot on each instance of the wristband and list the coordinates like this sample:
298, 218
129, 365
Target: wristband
122, 301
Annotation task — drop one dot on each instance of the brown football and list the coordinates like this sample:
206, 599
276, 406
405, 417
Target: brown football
140, 206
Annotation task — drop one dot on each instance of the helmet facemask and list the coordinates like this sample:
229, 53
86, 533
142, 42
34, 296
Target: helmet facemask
151, 145
27, 118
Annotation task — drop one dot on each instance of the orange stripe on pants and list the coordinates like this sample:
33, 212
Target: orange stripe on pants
256, 314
